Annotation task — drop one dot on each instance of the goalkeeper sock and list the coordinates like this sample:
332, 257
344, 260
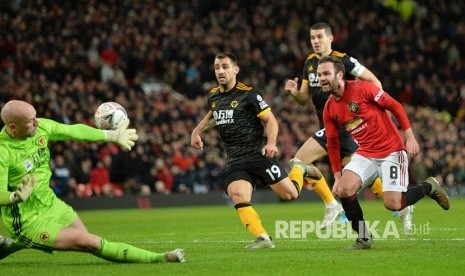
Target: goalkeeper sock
320, 187
16, 247
125, 253
250, 219
377, 188
297, 177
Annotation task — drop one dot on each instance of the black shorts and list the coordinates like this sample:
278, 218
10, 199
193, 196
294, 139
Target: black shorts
261, 169
348, 144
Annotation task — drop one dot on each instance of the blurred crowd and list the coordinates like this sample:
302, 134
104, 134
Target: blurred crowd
155, 58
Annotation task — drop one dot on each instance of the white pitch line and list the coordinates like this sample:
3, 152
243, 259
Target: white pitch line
447, 229
302, 240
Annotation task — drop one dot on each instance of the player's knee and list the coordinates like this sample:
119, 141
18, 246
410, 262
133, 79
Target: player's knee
345, 192
348, 188
392, 204
237, 196
289, 196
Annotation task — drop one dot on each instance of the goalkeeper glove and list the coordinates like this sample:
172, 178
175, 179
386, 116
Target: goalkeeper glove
24, 189
123, 136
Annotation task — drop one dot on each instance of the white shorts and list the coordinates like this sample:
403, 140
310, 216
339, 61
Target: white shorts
392, 169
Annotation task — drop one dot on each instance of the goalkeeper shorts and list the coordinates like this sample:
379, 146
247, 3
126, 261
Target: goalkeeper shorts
42, 232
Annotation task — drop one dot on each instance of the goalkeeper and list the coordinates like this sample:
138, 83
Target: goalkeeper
36, 218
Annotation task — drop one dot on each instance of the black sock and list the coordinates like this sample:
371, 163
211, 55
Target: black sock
354, 214
412, 195
426, 188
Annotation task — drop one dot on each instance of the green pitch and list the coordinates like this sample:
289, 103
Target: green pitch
214, 241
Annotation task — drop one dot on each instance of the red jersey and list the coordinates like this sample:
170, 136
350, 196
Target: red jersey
362, 112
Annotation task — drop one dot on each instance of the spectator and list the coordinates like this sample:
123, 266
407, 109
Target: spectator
100, 180
61, 176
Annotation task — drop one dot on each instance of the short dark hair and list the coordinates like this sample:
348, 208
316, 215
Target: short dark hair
229, 55
338, 65
322, 25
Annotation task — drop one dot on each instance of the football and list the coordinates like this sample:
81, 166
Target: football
110, 115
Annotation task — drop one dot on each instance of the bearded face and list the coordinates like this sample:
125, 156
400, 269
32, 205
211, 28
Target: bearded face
329, 79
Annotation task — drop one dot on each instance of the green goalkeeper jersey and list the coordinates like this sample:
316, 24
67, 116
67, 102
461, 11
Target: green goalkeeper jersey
32, 155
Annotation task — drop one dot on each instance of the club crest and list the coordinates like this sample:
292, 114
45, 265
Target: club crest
41, 141
44, 236
353, 107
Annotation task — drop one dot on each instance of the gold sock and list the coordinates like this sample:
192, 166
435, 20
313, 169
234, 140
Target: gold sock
377, 188
250, 219
320, 187
297, 177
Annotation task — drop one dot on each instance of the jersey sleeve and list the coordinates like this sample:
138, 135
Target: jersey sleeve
385, 101
332, 136
258, 104
78, 132
304, 71
353, 66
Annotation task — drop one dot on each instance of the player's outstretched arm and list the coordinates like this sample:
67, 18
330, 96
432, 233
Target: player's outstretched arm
123, 136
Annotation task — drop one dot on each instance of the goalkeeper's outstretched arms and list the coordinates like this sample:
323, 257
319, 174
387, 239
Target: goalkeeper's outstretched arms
22, 193
123, 136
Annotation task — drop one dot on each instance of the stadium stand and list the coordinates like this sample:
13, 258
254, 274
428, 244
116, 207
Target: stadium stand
153, 57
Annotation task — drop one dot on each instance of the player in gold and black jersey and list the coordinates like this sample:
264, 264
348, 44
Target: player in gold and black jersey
249, 133
314, 148
237, 117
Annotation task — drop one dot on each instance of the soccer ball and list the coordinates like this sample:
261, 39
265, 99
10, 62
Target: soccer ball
110, 115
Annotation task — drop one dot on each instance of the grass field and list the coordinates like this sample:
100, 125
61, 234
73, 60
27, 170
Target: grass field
214, 241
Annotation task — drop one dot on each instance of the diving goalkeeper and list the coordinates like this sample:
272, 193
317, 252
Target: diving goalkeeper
33, 215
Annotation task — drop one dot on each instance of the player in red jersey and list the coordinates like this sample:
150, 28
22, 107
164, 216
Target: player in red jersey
360, 107
314, 148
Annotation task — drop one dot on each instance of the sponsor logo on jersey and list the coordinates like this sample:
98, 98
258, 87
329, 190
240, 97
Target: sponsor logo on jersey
28, 165
359, 128
353, 124
314, 80
353, 107
36, 160
223, 117
213, 105
234, 104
